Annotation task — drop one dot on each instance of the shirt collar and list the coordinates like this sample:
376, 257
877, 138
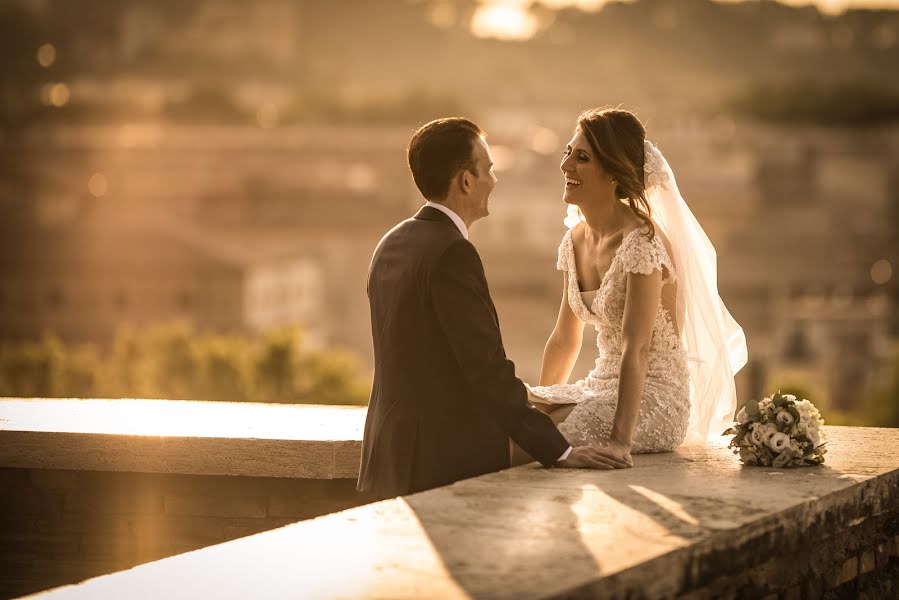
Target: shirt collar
457, 220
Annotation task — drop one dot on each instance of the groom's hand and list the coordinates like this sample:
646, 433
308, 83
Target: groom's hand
593, 457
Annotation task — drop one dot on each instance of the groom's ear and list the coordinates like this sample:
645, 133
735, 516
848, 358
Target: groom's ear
466, 180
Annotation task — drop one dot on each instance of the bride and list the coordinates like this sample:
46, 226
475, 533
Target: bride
638, 267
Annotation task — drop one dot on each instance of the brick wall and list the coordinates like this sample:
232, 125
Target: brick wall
59, 527
859, 562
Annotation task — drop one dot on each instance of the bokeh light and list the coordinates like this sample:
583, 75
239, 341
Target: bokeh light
881, 271
46, 55
97, 185
55, 94
545, 141
267, 115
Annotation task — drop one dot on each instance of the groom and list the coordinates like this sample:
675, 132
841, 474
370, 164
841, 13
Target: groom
445, 399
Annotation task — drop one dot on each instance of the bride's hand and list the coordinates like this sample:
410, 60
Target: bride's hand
621, 452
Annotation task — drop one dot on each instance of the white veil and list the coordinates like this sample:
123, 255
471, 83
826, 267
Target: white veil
714, 341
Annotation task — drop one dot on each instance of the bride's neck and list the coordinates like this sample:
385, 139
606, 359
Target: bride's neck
606, 218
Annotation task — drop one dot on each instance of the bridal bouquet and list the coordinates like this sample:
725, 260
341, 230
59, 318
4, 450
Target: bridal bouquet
779, 431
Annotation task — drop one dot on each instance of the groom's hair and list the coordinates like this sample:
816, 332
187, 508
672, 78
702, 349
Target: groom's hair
440, 150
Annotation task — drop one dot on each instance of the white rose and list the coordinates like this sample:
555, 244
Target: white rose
790, 397
814, 437
785, 417
779, 442
770, 429
757, 434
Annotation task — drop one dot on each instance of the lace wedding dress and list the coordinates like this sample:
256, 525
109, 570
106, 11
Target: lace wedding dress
665, 407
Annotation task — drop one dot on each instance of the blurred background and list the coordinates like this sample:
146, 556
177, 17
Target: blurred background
190, 190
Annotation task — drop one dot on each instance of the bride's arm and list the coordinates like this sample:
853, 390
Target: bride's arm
564, 343
641, 305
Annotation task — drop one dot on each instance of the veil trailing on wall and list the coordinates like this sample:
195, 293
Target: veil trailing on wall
714, 341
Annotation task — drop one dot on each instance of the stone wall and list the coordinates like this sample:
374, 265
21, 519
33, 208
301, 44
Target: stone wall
856, 562
82, 498
59, 526
91, 487
690, 524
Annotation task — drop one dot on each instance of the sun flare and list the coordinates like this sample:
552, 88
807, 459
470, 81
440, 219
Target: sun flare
504, 21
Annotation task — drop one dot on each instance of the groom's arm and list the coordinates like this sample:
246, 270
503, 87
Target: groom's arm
466, 314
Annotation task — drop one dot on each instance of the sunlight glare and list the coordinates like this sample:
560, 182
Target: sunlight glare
666, 503
504, 21
183, 418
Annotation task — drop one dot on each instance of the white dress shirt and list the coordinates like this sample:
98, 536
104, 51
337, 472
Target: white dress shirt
457, 220
460, 224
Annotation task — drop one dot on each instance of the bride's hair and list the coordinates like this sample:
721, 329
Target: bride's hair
616, 137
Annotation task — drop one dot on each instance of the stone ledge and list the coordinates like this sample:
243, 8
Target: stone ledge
196, 438
668, 527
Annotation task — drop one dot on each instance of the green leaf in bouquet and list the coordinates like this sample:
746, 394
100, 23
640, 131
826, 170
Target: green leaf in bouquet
806, 444
730, 431
778, 400
792, 410
752, 409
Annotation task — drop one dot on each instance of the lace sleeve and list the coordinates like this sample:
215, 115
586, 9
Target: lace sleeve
644, 255
562, 261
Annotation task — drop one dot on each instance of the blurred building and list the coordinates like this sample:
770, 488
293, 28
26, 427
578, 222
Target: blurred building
231, 228
83, 281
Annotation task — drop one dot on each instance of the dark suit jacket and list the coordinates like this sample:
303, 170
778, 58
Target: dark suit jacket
445, 399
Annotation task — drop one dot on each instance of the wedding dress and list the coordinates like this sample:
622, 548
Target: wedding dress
665, 407
689, 390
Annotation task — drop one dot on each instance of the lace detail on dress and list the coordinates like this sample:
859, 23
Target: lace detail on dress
665, 408
654, 172
562, 261
645, 255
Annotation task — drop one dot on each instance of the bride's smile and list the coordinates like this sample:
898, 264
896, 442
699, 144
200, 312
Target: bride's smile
584, 176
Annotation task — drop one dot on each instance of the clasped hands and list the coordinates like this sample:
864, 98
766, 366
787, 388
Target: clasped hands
613, 455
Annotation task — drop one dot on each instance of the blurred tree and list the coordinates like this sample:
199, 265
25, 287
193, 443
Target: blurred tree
173, 361
47, 368
883, 403
877, 407
850, 103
